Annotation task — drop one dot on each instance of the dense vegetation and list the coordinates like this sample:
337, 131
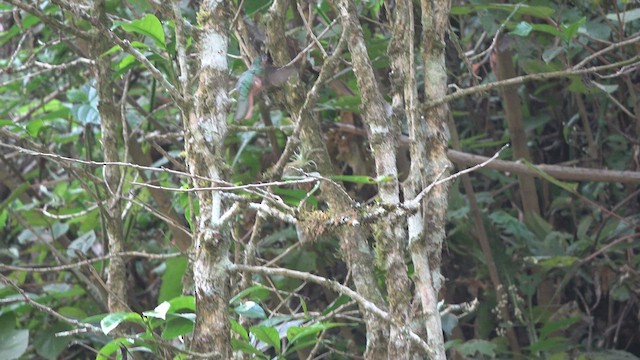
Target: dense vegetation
143, 215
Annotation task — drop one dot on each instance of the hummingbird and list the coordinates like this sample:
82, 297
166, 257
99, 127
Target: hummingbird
258, 77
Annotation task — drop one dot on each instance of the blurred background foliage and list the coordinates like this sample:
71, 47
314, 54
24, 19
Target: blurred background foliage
571, 274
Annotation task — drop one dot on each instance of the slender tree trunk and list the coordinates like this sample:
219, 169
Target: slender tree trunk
504, 69
111, 124
430, 154
353, 243
205, 130
383, 137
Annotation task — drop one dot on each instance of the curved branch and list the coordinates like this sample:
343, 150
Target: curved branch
339, 288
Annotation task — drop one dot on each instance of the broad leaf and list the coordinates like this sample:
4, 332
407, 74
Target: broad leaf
149, 26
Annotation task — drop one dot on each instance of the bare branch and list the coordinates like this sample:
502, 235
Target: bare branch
531, 77
47, 309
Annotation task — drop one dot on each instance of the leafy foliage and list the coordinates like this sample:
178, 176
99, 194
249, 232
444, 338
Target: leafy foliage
570, 274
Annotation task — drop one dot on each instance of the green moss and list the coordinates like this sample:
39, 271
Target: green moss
203, 16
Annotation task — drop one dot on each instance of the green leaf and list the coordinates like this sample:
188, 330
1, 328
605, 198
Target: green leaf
483, 347
607, 355
48, 345
82, 244
86, 114
341, 300
251, 310
112, 321
268, 335
620, 293
76, 95
26, 21
606, 88
551, 53
172, 278
245, 347
59, 229
259, 290
625, 16
73, 312
294, 196
126, 62
552, 30
160, 312
13, 343
549, 344
558, 262
111, 347
569, 31
149, 26
113, 50
553, 326
183, 302
34, 126
522, 29
178, 325
297, 333
571, 187
239, 329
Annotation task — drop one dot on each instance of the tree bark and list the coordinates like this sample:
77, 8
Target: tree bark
111, 125
205, 131
504, 69
383, 134
353, 243
429, 154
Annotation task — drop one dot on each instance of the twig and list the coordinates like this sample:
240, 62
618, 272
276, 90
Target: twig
42, 269
126, 46
312, 44
339, 288
559, 172
522, 79
631, 40
415, 203
47, 309
310, 30
229, 187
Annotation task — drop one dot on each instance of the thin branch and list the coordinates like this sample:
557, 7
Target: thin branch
312, 44
415, 203
293, 141
44, 269
522, 79
310, 30
630, 40
288, 218
126, 46
49, 20
487, 52
181, 49
230, 187
68, 216
339, 288
260, 128
99, 163
566, 173
47, 309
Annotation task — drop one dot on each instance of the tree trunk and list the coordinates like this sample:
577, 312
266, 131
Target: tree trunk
111, 124
205, 131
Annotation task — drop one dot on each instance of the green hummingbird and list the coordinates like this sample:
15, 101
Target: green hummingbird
251, 82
